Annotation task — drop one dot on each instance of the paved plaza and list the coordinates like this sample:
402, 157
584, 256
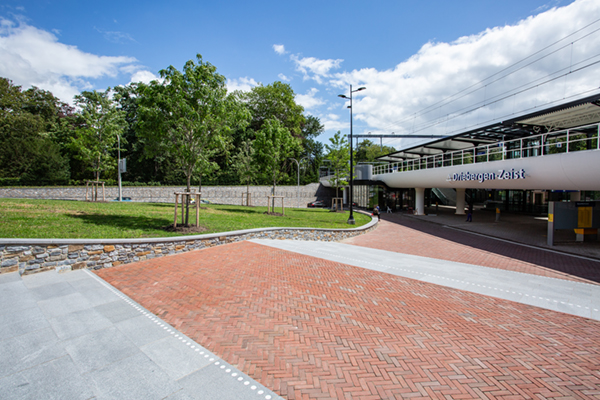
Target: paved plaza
409, 310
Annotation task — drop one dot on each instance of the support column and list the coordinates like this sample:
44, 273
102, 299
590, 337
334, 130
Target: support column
460, 202
419, 201
575, 196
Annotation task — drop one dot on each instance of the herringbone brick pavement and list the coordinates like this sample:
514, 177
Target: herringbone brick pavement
314, 329
409, 236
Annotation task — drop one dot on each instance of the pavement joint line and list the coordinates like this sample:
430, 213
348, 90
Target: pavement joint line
562, 253
465, 282
214, 360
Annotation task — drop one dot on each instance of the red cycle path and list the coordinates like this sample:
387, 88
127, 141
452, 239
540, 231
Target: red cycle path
409, 236
314, 329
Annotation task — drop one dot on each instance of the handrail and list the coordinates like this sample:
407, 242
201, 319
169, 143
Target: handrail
563, 141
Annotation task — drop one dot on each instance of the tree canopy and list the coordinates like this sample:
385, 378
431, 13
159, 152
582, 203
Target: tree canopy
183, 127
188, 116
275, 101
367, 151
96, 137
27, 121
273, 146
338, 155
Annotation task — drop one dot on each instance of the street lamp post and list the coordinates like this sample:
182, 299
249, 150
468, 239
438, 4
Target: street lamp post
298, 190
351, 218
119, 166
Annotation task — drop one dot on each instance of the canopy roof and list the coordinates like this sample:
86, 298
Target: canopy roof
569, 115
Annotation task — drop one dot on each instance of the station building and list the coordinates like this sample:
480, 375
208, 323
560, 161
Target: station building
516, 165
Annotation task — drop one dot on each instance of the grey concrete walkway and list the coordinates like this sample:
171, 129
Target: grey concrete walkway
72, 336
520, 228
580, 299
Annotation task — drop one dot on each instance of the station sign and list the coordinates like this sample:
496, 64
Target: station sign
502, 174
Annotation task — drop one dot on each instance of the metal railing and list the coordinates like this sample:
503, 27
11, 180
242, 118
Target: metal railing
565, 141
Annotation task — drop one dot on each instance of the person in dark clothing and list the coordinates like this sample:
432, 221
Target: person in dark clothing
470, 213
376, 213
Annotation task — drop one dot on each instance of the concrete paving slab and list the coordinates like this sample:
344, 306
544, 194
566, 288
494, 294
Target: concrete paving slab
134, 377
45, 292
15, 296
221, 381
18, 322
79, 323
60, 305
97, 296
572, 297
35, 280
8, 278
175, 357
28, 350
49, 380
92, 343
117, 311
141, 331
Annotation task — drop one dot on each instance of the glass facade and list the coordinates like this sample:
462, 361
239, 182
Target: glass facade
534, 202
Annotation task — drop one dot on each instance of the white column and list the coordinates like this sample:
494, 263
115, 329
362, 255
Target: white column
575, 196
419, 201
460, 202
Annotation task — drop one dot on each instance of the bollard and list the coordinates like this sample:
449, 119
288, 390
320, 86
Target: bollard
497, 214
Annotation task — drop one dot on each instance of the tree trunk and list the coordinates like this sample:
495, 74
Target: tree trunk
273, 194
247, 193
200, 187
187, 203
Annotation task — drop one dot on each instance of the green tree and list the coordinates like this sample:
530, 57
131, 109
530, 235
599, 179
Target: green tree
338, 154
312, 148
27, 121
273, 145
95, 139
275, 101
188, 116
243, 164
367, 151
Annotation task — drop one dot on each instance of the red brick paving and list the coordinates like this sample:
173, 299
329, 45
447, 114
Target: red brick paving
314, 329
409, 236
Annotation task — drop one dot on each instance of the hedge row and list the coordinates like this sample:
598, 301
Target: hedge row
7, 182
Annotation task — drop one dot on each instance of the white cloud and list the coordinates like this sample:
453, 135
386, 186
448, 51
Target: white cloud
308, 100
144, 77
117, 37
31, 56
244, 84
279, 49
284, 78
395, 97
332, 122
314, 68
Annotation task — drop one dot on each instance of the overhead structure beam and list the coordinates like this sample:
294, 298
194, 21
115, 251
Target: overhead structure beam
401, 136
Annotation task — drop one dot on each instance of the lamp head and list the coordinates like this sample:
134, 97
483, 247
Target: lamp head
360, 88
343, 96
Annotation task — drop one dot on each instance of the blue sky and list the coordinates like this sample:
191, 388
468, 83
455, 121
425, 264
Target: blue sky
409, 55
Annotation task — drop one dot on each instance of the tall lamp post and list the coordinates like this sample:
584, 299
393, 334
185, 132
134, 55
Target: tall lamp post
298, 190
351, 218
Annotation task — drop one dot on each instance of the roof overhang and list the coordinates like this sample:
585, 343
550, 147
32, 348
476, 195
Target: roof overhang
570, 115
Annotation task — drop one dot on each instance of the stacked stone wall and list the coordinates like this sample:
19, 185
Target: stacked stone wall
294, 196
36, 255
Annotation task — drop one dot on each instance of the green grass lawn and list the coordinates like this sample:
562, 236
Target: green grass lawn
57, 219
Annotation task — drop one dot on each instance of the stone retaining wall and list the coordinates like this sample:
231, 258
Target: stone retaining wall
164, 194
36, 255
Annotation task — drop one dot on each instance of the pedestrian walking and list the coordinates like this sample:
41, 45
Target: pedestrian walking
470, 213
376, 213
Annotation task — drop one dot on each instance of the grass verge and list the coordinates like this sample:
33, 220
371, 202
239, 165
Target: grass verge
57, 219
